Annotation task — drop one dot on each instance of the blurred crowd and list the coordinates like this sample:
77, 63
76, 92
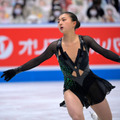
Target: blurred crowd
47, 11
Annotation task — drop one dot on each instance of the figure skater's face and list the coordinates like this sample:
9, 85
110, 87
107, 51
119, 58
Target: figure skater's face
65, 23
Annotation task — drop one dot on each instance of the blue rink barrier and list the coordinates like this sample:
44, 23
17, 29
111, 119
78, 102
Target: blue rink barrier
56, 75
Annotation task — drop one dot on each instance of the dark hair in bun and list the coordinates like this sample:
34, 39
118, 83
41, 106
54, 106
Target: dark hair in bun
77, 25
74, 18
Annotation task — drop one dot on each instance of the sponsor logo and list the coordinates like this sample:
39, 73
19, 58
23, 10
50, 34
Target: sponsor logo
6, 47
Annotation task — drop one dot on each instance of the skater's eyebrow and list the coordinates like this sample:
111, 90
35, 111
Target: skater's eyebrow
61, 18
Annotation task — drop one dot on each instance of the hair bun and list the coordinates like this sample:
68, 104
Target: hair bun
77, 24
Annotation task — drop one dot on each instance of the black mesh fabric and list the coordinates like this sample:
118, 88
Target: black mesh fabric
49, 52
91, 43
96, 88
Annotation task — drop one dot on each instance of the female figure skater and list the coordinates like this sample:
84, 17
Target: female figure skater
82, 88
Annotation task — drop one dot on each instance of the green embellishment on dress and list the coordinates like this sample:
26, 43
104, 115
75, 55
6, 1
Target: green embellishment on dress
68, 82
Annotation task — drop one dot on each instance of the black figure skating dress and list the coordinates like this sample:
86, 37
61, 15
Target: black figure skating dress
89, 88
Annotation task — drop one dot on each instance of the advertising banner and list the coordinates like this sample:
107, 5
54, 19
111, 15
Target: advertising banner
18, 45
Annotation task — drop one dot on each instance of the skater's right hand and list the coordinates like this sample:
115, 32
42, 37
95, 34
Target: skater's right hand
9, 74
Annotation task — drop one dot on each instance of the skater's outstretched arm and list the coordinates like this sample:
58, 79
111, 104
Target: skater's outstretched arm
104, 52
51, 49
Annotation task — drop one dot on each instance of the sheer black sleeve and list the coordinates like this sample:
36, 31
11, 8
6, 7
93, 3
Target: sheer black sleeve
51, 49
91, 43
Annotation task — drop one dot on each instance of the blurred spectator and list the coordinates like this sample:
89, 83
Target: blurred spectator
65, 4
4, 18
17, 15
115, 3
55, 11
79, 8
32, 12
6, 5
44, 11
111, 14
5, 11
56, 4
95, 13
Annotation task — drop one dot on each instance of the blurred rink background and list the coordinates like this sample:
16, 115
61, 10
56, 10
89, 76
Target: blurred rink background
27, 27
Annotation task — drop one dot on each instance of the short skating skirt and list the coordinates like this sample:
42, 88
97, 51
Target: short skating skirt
93, 90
